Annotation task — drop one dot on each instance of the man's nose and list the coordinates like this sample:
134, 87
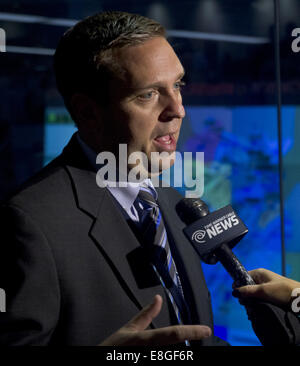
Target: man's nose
173, 109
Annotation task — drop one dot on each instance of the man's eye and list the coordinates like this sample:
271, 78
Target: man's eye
179, 84
146, 96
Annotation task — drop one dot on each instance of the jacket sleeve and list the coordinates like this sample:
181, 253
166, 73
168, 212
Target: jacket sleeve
272, 324
29, 279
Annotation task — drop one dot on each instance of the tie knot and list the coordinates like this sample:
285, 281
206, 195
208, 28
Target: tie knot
147, 195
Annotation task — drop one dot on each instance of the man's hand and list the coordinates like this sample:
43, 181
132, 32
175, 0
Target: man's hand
269, 286
134, 333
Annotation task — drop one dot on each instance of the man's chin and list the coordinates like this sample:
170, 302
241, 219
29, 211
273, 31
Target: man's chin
143, 166
161, 161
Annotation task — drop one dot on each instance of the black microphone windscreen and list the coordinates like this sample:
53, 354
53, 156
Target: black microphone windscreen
191, 209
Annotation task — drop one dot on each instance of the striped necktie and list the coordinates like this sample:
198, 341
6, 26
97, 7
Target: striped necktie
155, 242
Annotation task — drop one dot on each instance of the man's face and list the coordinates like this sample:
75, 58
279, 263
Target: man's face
145, 109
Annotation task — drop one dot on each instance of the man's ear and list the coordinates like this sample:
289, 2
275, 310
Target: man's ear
85, 111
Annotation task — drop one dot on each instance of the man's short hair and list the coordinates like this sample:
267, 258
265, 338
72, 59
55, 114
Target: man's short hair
83, 61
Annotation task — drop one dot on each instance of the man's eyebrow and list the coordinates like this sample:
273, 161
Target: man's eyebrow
158, 84
181, 75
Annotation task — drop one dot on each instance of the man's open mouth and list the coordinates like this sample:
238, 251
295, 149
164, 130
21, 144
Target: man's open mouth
166, 142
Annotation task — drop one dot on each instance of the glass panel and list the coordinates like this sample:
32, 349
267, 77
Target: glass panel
290, 74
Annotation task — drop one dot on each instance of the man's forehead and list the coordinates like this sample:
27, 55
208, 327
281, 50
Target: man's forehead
149, 62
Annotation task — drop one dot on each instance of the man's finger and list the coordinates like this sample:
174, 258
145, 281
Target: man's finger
176, 334
261, 275
247, 291
143, 319
236, 284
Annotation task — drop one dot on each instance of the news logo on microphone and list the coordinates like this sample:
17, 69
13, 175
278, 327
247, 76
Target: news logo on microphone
218, 227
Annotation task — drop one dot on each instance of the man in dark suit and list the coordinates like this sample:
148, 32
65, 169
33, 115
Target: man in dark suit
73, 261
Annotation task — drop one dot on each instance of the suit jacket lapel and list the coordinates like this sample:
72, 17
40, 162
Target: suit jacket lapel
111, 232
118, 243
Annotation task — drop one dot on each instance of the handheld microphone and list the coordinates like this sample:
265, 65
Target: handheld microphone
213, 235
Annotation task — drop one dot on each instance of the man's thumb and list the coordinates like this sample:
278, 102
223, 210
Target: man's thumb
143, 319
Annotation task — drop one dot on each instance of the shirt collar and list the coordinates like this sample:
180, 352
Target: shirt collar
127, 195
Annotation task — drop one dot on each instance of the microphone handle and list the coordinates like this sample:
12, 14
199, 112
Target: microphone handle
233, 266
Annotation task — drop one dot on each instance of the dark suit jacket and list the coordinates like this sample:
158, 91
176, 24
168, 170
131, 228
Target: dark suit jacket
73, 269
